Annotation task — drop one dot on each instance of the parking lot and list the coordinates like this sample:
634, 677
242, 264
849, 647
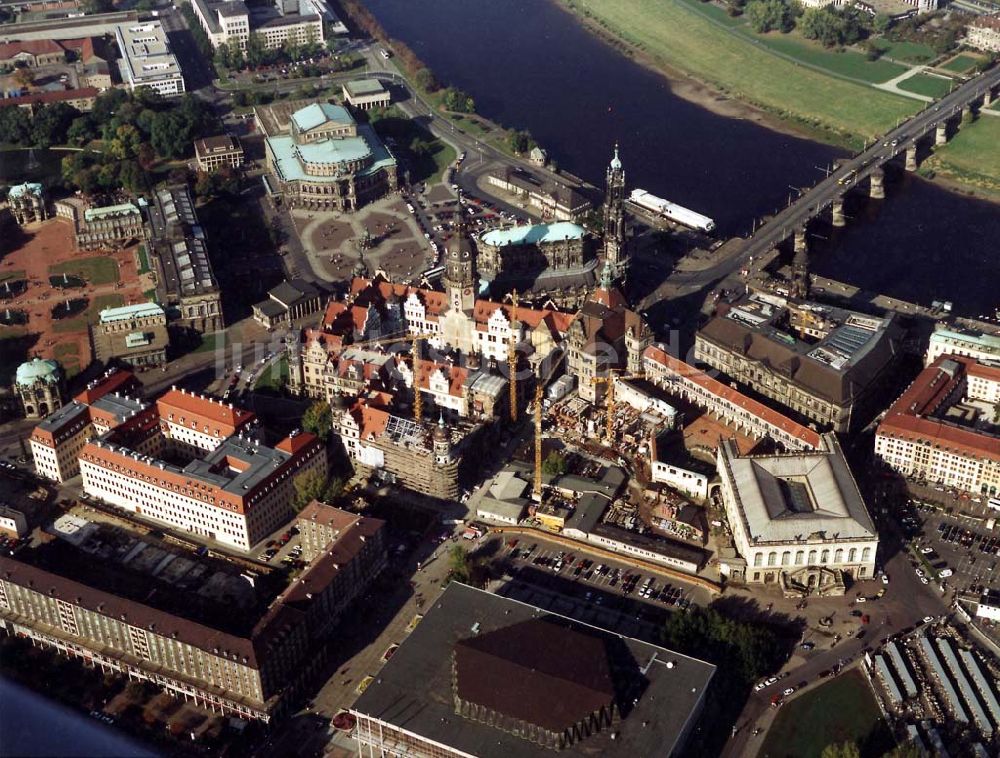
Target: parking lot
955, 548
600, 582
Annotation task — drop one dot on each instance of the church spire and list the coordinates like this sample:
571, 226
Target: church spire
614, 218
460, 271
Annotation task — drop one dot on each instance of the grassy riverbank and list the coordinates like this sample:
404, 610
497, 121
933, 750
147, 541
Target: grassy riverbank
699, 40
972, 158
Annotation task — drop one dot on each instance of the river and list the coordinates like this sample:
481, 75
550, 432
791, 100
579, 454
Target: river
33, 725
530, 65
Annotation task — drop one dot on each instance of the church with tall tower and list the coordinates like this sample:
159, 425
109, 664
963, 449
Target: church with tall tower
616, 252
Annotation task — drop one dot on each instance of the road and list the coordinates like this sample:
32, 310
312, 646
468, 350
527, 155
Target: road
906, 603
862, 165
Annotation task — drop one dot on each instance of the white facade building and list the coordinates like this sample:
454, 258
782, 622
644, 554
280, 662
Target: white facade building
146, 58
795, 515
982, 348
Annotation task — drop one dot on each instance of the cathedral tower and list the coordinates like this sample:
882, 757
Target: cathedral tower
615, 250
460, 272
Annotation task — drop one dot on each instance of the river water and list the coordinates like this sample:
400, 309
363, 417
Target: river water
530, 65
33, 725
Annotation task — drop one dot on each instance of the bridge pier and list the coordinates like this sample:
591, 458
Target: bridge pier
966, 115
839, 219
877, 189
911, 158
988, 98
800, 244
941, 135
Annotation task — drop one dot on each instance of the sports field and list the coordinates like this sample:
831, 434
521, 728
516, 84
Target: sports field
842, 710
687, 36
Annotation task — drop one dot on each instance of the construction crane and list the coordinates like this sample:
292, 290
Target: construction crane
512, 358
418, 346
609, 400
537, 492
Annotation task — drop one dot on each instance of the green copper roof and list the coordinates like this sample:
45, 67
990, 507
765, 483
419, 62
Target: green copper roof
38, 369
28, 188
289, 157
365, 87
126, 312
536, 234
125, 209
318, 114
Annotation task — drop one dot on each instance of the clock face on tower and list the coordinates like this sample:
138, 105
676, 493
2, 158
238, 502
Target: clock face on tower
468, 292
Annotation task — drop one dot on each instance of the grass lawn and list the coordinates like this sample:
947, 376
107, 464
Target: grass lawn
685, 35
143, 260
849, 63
210, 342
924, 84
89, 316
841, 710
13, 275
911, 52
972, 156
97, 270
274, 377
64, 350
961, 63
444, 155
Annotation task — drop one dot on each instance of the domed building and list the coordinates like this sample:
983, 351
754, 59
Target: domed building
41, 386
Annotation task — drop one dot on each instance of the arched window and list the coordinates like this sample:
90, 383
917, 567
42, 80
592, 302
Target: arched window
772, 558
838, 556
812, 557
758, 559
852, 555
825, 557
786, 557
800, 556
866, 554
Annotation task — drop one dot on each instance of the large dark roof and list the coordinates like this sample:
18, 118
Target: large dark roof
414, 690
544, 673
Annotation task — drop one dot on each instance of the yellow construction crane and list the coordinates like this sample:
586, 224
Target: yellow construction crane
609, 400
538, 440
418, 345
512, 358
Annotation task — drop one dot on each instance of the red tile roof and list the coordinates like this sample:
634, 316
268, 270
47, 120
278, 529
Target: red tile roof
203, 411
717, 388
51, 97
294, 445
117, 381
910, 417
34, 47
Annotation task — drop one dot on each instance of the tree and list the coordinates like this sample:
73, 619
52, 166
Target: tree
424, 79
97, 6
146, 156
841, 750
458, 564
457, 101
334, 489
81, 131
131, 176
520, 141
125, 143
50, 124
881, 23
309, 486
15, 126
24, 77
769, 15
318, 419
420, 147
554, 464
256, 52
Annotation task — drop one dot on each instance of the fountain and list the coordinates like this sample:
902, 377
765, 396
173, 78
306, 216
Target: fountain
69, 308
11, 289
67, 281
13, 317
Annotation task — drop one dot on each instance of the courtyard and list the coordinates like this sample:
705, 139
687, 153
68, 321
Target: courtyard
44, 272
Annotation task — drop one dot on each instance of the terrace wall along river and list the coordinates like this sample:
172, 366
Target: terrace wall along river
529, 64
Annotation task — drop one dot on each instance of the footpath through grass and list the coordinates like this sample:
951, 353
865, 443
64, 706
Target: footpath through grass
692, 37
842, 710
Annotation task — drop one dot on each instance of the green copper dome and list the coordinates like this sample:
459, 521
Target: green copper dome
38, 369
